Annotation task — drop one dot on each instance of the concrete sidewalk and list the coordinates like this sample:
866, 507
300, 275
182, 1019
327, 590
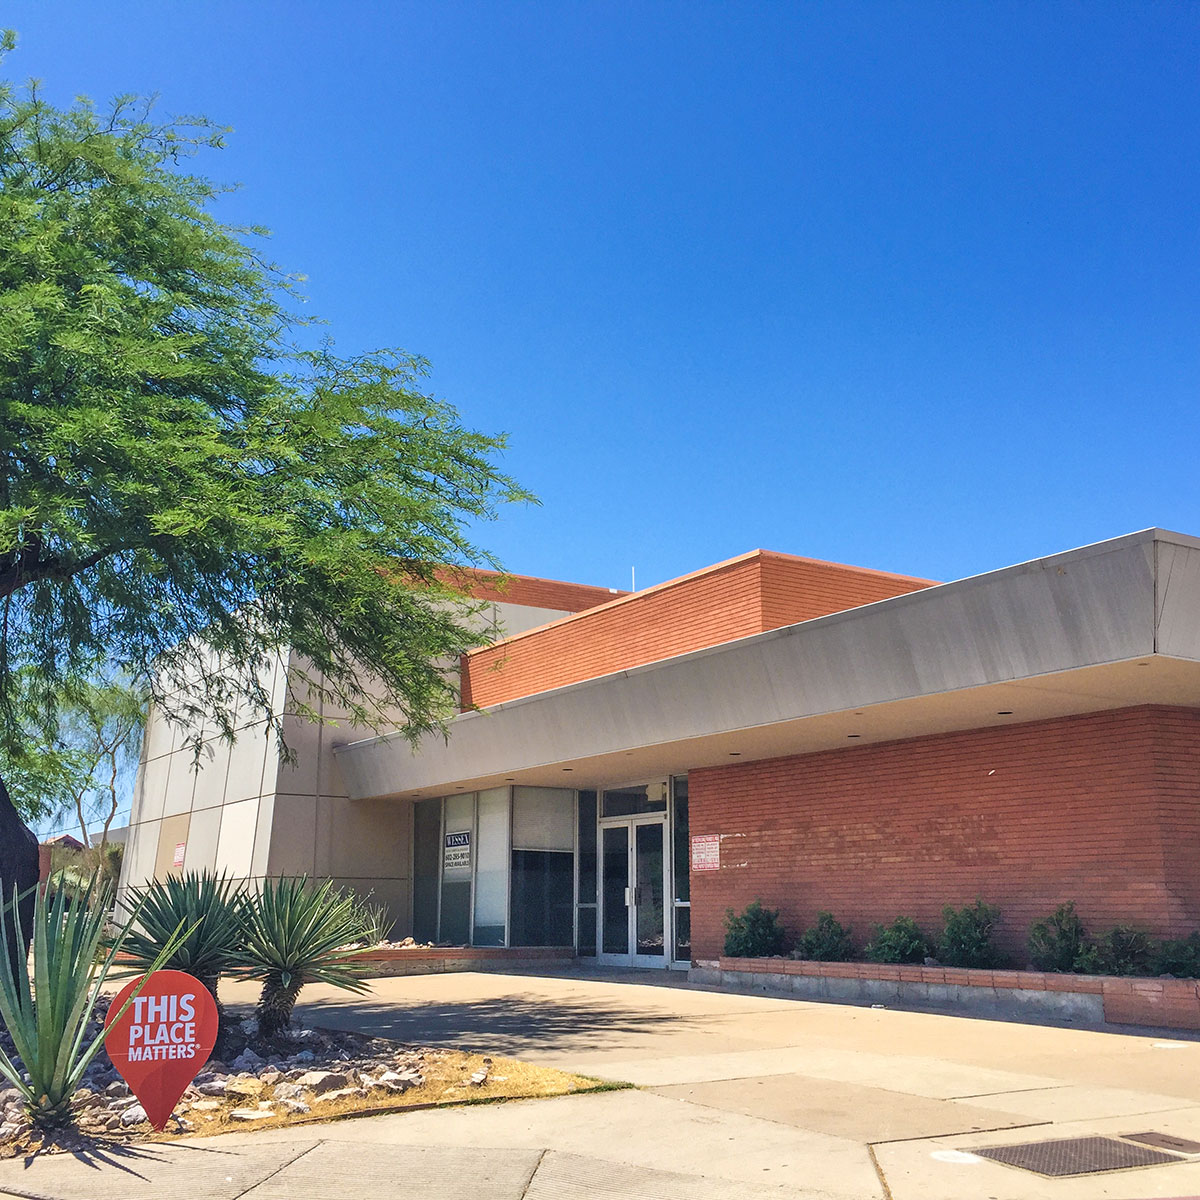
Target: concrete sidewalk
738, 1096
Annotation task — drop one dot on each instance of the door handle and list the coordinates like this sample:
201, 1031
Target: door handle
630, 897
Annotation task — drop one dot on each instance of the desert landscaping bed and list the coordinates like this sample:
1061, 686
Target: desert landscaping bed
310, 1075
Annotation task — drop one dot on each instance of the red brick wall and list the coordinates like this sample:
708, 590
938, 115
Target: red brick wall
527, 590
1102, 809
798, 589
746, 595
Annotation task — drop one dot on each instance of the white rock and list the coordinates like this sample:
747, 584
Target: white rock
206, 1105
10, 1129
250, 1114
342, 1094
134, 1115
296, 1106
287, 1091
322, 1081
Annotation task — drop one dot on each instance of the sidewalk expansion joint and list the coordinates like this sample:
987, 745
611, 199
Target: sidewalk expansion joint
537, 1166
961, 1133
282, 1167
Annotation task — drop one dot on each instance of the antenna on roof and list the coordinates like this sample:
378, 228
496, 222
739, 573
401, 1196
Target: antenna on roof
633, 579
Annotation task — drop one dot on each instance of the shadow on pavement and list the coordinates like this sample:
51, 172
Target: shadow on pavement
99, 1154
504, 1025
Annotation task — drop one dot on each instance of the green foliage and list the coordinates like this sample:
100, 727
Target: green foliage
1178, 956
177, 473
755, 933
826, 941
210, 907
373, 918
1055, 943
1123, 950
297, 934
967, 936
47, 1015
900, 942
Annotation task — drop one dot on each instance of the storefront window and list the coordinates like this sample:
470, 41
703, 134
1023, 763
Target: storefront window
630, 801
427, 836
457, 865
683, 911
543, 867
491, 868
585, 938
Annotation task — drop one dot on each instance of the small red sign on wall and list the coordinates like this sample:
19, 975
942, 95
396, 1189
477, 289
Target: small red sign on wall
163, 1038
177, 859
706, 852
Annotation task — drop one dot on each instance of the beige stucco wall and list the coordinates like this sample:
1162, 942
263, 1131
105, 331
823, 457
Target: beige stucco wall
242, 811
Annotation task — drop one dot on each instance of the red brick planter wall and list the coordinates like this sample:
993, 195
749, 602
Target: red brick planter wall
1171, 1003
1102, 809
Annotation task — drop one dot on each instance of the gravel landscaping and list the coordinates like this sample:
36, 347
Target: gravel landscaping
309, 1075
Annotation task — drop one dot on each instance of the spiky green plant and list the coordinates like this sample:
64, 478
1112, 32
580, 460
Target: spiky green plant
208, 905
298, 934
373, 917
47, 1015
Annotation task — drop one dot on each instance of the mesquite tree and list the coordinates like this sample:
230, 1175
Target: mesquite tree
185, 494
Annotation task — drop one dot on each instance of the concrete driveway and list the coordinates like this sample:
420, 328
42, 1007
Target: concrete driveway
737, 1096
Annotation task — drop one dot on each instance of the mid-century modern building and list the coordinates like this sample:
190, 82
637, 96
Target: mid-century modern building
628, 766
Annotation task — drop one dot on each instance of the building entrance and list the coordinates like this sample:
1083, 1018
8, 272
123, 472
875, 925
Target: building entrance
633, 891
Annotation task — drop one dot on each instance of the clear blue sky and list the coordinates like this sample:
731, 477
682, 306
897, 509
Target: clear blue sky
912, 286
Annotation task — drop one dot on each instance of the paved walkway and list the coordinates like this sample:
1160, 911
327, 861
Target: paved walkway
738, 1097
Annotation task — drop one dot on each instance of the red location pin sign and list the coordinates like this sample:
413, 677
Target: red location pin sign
162, 1039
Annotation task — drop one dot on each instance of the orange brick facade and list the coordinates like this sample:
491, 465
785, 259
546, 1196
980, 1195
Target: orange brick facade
1101, 809
526, 590
747, 595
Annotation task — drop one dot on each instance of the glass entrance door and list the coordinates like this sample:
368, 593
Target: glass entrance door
633, 894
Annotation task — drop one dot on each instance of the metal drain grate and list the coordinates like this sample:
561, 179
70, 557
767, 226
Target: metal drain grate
1076, 1156
1164, 1141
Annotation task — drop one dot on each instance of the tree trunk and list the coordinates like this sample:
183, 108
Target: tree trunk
19, 871
276, 1002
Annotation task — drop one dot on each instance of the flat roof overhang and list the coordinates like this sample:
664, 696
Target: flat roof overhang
1106, 626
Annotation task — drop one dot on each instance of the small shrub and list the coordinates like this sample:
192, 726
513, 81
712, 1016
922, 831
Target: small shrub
373, 918
1123, 950
900, 942
1056, 943
756, 933
826, 941
967, 936
1179, 957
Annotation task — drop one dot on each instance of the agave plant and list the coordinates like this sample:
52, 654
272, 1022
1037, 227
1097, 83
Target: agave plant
297, 934
211, 907
47, 1016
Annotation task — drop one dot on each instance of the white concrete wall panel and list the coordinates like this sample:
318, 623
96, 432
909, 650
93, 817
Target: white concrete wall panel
235, 843
211, 776
1178, 598
247, 763
203, 832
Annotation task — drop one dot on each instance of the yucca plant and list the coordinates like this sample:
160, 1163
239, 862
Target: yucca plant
47, 1016
210, 906
297, 933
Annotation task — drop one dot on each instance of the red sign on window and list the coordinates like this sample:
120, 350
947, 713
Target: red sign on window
706, 852
163, 1038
